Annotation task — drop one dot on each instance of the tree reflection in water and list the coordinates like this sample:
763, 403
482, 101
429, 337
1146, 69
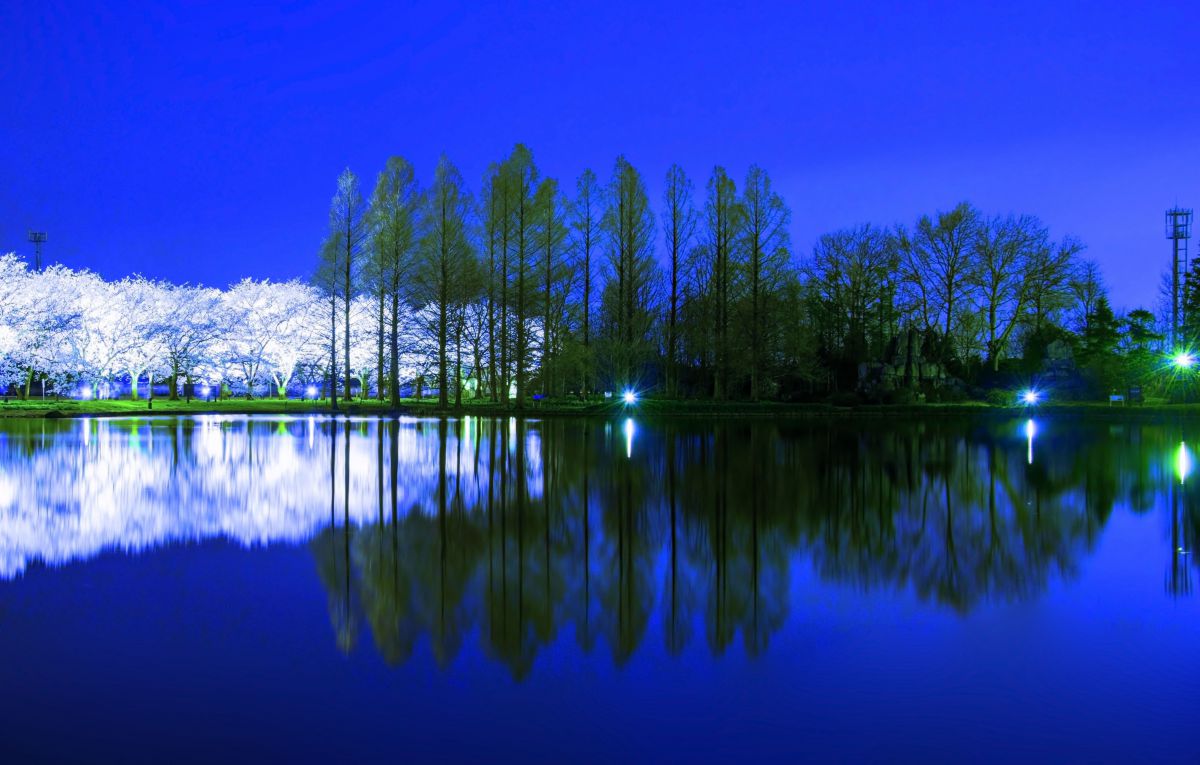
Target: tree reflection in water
516, 532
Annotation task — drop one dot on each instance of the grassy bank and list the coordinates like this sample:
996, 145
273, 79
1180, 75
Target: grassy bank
650, 407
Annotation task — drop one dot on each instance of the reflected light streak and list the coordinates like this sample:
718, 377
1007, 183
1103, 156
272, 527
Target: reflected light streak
1183, 462
629, 431
1030, 432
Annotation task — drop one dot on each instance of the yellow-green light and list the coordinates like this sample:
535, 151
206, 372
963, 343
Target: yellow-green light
1183, 462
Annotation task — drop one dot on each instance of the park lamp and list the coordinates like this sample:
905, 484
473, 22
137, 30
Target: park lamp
629, 397
1030, 397
311, 391
1183, 360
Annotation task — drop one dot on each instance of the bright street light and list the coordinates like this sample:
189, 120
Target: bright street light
1030, 397
311, 391
630, 397
1184, 360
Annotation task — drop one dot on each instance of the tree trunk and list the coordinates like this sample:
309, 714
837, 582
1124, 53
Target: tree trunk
394, 377
443, 299
379, 391
333, 352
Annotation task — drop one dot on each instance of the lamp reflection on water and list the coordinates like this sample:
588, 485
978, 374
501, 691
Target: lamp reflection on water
1183, 462
629, 431
1030, 432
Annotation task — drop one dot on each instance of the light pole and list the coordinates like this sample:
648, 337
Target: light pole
37, 238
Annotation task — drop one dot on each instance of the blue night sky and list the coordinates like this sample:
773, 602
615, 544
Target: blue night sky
201, 142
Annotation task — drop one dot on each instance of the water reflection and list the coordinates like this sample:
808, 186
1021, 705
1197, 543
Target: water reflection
521, 531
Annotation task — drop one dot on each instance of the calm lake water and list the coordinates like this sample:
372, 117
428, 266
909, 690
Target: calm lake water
251, 588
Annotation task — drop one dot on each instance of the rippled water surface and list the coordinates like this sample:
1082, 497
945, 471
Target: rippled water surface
252, 588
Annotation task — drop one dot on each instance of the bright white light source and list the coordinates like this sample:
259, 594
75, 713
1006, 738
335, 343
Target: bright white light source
85, 391
1183, 360
630, 397
311, 391
204, 391
1030, 397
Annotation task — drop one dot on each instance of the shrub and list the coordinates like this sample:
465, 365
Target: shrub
1000, 397
844, 398
901, 397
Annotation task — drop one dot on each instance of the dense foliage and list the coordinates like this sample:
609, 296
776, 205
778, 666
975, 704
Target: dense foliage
522, 291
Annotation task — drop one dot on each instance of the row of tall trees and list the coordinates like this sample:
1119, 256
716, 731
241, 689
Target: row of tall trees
536, 294
524, 291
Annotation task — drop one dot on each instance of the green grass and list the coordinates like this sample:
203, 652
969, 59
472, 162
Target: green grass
646, 407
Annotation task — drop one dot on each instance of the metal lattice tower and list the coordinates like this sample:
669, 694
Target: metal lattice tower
37, 237
1179, 230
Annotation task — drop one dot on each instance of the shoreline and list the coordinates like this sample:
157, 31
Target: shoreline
647, 408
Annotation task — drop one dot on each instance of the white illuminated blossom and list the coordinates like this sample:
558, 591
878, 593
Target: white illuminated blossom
90, 337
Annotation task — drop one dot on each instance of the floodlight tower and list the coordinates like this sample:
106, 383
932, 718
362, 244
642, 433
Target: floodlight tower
37, 237
1179, 230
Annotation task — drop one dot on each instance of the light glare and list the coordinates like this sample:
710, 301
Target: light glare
630, 397
1183, 462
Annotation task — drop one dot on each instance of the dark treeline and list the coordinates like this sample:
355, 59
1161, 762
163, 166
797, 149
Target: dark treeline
536, 288
549, 529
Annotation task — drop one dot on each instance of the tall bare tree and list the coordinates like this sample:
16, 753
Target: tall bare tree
1050, 279
1004, 250
936, 261
850, 295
